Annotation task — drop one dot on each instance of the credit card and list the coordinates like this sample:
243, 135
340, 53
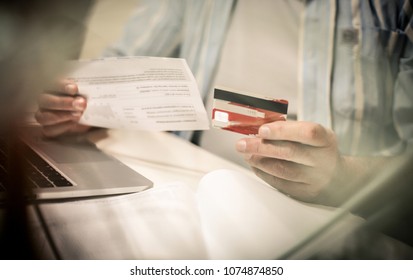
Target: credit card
245, 113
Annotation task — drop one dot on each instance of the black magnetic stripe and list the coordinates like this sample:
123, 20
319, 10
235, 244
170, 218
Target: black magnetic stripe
251, 101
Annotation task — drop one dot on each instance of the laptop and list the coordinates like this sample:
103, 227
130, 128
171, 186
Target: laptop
72, 167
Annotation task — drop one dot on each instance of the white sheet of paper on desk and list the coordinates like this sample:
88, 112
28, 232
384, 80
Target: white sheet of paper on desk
143, 93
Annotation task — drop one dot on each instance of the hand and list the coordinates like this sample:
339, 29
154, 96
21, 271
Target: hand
298, 158
59, 111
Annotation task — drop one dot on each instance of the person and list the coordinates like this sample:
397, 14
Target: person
355, 111
194, 30
355, 102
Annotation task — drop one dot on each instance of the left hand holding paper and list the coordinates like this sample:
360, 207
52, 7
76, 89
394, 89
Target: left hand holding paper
60, 110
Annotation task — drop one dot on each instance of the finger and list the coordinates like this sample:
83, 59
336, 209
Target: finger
283, 169
79, 128
47, 118
59, 129
296, 190
67, 86
71, 89
58, 102
63, 87
303, 132
285, 150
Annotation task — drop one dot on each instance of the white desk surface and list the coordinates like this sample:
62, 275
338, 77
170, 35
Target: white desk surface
162, 157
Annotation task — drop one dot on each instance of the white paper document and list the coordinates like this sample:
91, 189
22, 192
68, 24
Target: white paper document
142, 93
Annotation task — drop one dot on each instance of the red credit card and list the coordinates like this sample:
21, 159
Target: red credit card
245, 113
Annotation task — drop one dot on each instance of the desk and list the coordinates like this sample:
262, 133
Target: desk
210, 213
162, 157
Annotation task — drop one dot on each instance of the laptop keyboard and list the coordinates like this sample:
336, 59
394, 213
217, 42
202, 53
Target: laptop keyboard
40, 174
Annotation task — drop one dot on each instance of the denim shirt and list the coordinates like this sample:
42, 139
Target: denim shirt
190, 29
357, 75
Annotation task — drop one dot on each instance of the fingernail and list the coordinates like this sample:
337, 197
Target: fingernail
79, 103
264, 131
241, 146
69, 88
